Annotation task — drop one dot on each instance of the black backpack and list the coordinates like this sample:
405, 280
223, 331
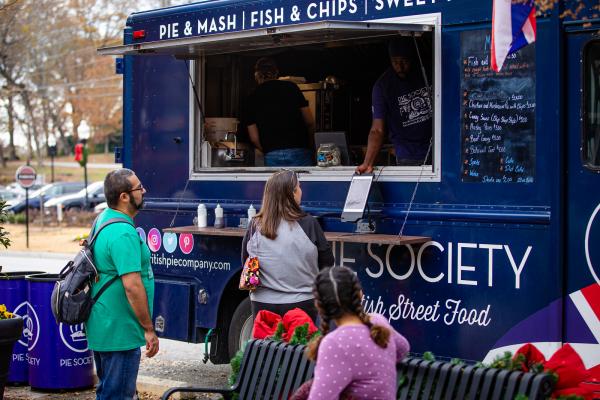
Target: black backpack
71, 300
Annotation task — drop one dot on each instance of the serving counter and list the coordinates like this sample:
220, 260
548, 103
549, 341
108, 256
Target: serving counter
346, 237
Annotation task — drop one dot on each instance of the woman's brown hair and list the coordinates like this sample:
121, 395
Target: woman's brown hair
337, 291
278, 203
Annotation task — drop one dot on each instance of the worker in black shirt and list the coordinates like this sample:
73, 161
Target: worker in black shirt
280, 123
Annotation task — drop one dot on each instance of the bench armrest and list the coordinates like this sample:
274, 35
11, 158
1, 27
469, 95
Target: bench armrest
226, 392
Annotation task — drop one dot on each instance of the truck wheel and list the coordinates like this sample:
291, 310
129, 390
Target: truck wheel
240, 328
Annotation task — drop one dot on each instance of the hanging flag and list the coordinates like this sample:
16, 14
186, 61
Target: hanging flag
513, 27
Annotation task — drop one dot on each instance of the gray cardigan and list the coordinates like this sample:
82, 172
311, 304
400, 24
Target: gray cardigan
290, 263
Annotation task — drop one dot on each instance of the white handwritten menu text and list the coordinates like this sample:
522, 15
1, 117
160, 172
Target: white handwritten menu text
497, 113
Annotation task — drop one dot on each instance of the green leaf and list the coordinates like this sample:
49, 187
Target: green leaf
278, 335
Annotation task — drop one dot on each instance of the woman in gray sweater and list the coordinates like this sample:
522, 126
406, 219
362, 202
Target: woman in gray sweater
290, 246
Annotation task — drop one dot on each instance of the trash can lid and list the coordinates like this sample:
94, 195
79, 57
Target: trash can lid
43, 278
17, 274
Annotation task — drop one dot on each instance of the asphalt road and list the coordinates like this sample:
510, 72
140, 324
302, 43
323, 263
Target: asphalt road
176, 363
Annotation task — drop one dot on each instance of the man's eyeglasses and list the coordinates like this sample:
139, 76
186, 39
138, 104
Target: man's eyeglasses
141, 187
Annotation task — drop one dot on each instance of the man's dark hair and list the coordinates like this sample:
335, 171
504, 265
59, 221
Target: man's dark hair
115, 183
267, 68
402, 47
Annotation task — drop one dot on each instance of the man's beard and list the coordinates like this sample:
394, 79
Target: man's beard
134, 206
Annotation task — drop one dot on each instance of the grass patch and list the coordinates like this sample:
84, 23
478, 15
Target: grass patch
61, 174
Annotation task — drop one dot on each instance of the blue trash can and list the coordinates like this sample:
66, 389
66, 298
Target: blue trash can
58, 355
13, 292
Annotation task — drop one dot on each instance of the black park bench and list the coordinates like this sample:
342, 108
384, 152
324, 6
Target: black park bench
274, 370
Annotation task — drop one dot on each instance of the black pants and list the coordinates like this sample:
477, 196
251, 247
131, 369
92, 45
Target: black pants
307, 306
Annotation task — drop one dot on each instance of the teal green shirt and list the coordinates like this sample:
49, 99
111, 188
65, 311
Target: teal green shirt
118, 250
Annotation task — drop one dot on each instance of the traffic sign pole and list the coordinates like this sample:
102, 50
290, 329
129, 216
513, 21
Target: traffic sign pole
27, 217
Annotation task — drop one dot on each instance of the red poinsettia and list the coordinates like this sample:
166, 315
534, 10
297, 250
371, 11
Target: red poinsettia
565, 364
266, 323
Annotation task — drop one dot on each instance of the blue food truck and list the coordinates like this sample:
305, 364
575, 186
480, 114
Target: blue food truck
500, 227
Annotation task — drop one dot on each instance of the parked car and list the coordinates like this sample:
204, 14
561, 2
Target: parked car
7, 195
19, 191
45, 193
76, 201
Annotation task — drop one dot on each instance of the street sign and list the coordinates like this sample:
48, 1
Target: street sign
25, 176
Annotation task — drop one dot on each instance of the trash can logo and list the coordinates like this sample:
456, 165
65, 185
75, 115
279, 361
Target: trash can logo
73, 336
154, 240
31, 325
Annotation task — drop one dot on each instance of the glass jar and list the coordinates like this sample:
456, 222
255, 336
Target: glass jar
328, 155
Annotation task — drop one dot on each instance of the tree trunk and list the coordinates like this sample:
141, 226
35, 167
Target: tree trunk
12, 151
2, 156
32, 131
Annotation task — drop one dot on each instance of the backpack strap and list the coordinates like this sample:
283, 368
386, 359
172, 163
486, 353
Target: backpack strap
95, 232
103, 288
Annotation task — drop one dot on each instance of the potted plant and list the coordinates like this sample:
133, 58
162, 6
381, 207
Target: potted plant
11, 326
4, 240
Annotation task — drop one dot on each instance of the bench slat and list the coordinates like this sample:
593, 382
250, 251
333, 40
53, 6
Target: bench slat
422, 372
277, 362
297, 356
249, 379
479, 377
302, 368
270, 367
465, 386
409, 374
431, 379
514, 379
442, 380
525, 383
453, 380
541, 387
287, 357
487, 388
501, 380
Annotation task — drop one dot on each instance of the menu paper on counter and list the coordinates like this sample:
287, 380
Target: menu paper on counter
497, 113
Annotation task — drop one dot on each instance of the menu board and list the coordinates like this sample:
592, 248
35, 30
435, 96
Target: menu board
497, 113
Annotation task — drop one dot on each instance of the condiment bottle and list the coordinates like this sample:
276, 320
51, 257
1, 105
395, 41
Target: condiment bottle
251, 213
202, 216
219, 216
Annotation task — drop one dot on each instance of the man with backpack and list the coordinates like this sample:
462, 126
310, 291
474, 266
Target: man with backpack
120, 321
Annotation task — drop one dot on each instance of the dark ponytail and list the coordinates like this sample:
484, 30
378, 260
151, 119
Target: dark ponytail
379, 334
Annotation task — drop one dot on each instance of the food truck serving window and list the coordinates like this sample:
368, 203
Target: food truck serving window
330, 69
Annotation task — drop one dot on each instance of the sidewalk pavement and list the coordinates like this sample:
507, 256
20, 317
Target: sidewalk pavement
152, 382
149, 388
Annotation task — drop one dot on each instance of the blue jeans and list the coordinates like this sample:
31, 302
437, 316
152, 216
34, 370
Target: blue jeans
117, 374
296, 157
